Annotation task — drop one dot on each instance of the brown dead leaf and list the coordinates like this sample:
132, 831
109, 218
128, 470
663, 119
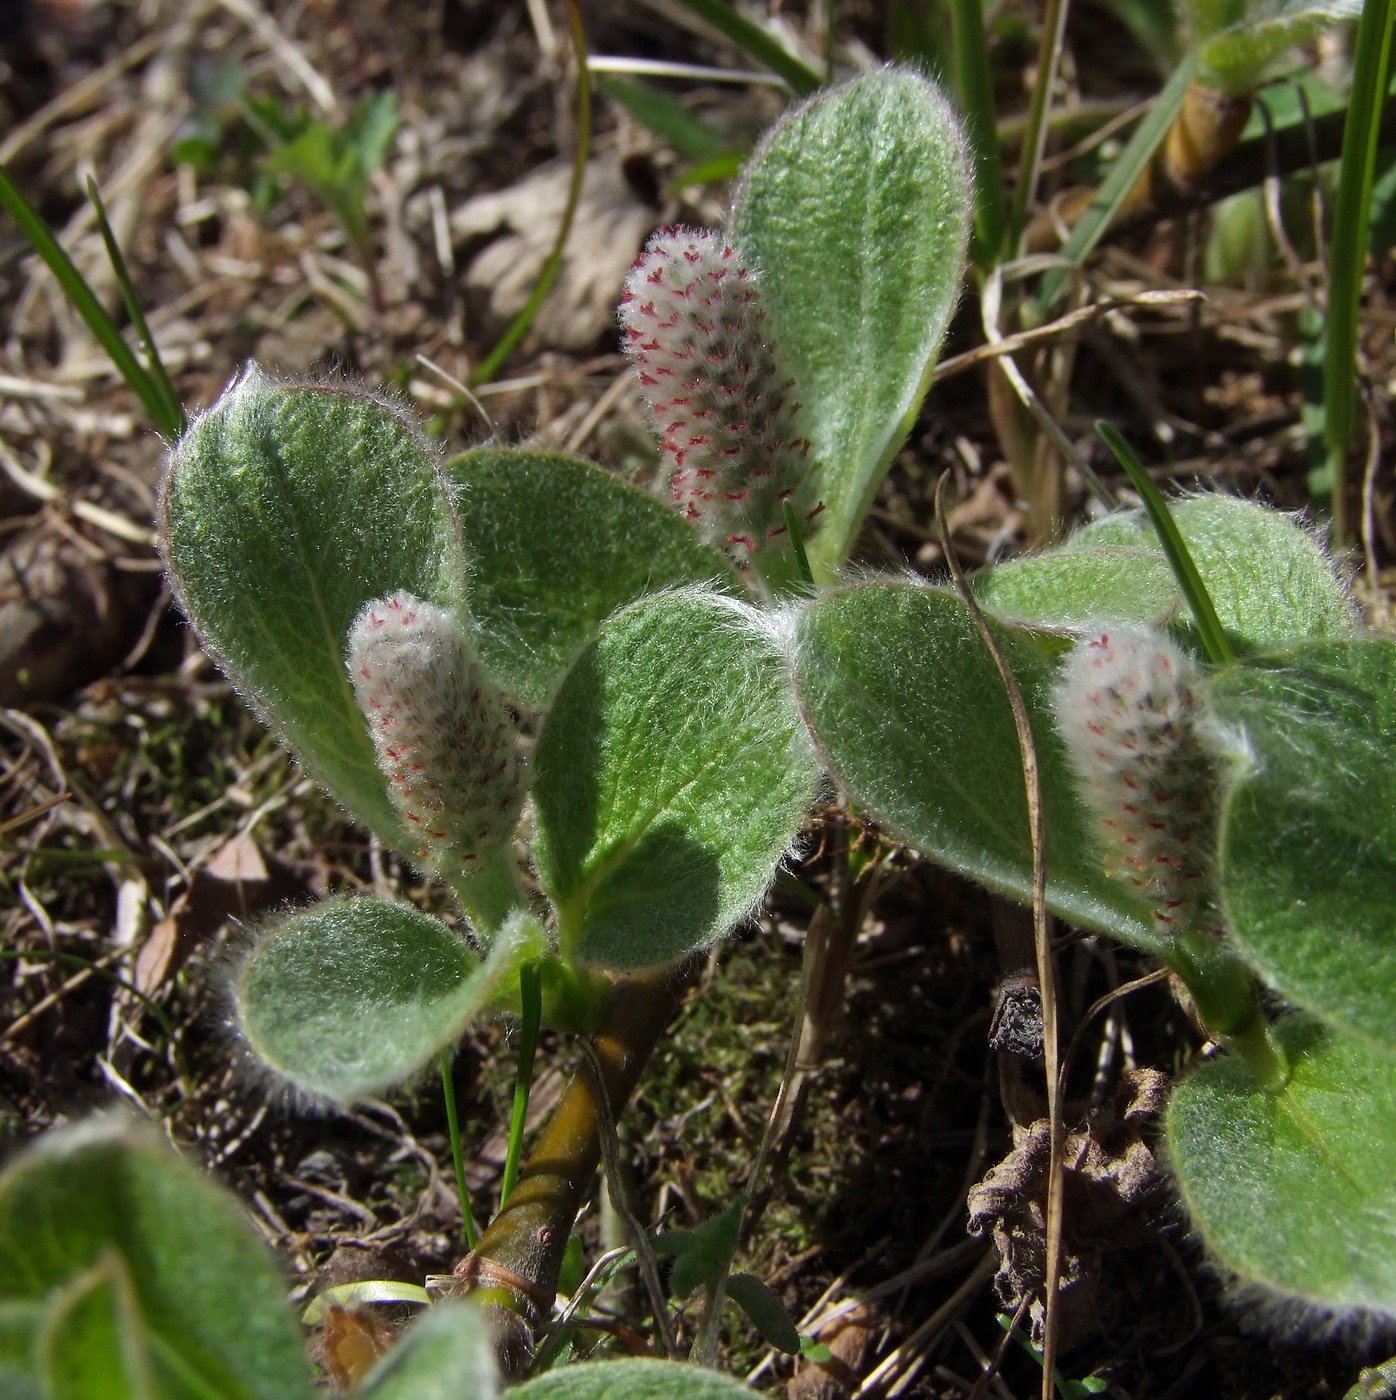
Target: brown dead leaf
239, 860
236, 882
353, 1340
849, 1338
608, 229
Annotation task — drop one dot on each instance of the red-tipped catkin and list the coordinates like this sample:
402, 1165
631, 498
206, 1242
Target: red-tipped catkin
1129, 709
440, 729
723, 407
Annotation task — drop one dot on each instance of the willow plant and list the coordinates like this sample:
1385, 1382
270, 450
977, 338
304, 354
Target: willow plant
410, 624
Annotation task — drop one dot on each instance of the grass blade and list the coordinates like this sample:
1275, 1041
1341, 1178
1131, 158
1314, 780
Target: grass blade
668, 118
801, 79
85, 302
174, 409
448, 1090
1124, 174
518, 328
976, 100
1180, 560
531, 998
1347, 258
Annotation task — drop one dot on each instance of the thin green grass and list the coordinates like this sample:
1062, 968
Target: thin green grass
161, 406
754, 40
1348, 247
1180, 560
531, 997
1132, 162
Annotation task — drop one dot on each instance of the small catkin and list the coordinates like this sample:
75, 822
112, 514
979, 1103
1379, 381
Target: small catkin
1129, 710
724, 409
441, 731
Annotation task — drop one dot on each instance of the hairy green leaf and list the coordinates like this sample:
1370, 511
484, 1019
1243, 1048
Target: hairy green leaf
556, 546
93, 1345
765, 1312
1071, 587
283, 512
101, 1222
670, 777
1269, 579
911, 716
1308, 839
1293, 1190
632, 1380
354, 995
856, 210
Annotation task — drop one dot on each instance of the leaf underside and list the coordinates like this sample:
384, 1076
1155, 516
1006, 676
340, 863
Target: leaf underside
1293, 1191
352, 996
1308, 838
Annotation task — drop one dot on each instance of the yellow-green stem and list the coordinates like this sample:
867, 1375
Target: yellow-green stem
518, 1258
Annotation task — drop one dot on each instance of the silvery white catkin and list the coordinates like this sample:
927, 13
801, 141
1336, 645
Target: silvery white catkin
441, 731
722, 405
1129, 710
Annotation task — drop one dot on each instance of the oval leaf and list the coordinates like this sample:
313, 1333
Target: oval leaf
765, 1312
632, 1380
911, 716
284, 510
1075, 586
1294, 1190
105, 1202
556, 546
670, 777
353, 996
856, 210
1268, 577
1308, 841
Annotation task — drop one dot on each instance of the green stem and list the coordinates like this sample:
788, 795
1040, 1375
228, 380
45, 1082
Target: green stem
448, 1089
1227, 998
976, 98
527, 1239
531, 996
1035, 141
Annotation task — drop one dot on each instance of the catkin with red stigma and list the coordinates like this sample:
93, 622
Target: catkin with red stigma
1130, 711
440, 729
724, 408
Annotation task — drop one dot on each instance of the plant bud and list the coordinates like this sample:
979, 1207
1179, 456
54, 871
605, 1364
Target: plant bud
442, 732
721, 404
1129, 710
